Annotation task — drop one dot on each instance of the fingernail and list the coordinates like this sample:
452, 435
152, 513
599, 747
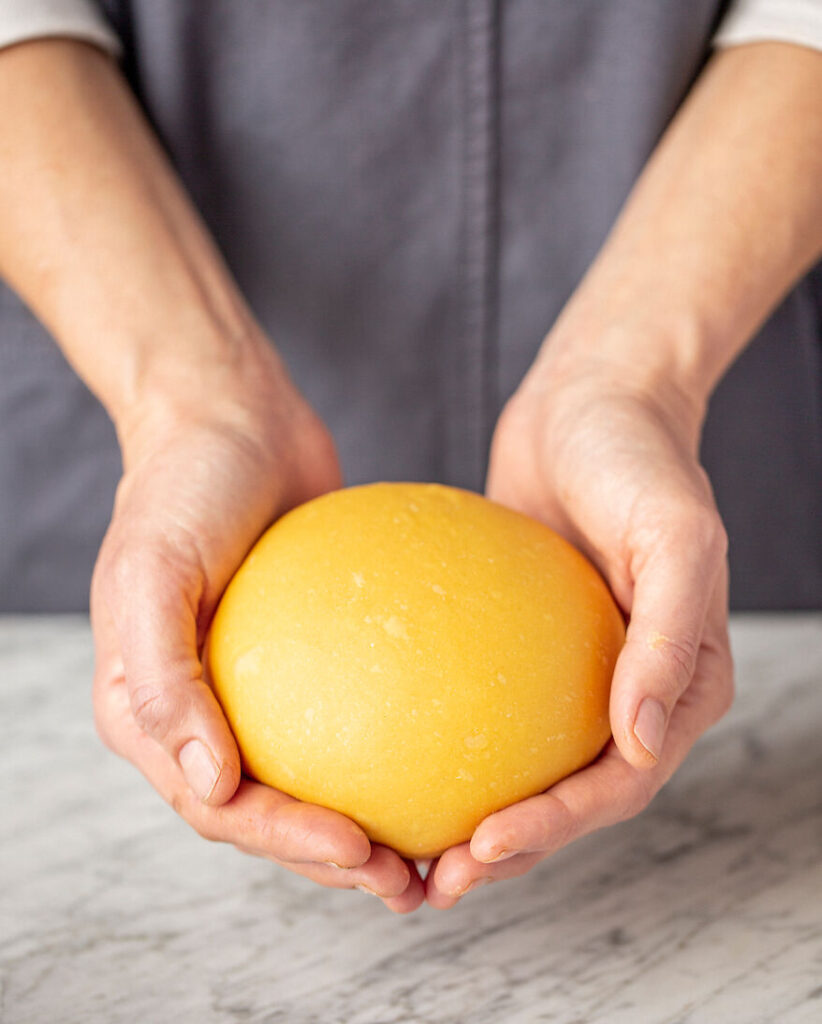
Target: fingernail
649, 726
476, 884
501, 855
199, 767
364, 888
334, 864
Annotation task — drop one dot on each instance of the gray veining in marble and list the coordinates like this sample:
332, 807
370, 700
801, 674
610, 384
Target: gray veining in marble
706, 909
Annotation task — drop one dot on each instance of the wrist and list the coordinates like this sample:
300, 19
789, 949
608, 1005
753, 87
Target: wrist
627, 328
234, 381
588, 356
723, 219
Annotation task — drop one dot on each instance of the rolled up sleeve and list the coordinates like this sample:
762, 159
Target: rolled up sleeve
22, 20
786, 21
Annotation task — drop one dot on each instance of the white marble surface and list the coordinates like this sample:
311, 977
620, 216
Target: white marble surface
707, 908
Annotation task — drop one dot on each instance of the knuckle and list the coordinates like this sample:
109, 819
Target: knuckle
136, 564
286, 830
567, 826
705, 533
675, 661
693, 526
154, 711
680, 653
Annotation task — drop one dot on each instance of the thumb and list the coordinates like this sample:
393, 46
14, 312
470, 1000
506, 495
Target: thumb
154, 606
673, 589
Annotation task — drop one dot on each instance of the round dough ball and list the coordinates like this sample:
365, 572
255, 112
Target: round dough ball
415, 657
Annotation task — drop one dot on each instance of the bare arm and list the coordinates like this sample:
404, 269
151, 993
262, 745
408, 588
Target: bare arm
725, 218
98, 237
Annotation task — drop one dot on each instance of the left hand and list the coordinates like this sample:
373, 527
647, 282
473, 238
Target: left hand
613, 467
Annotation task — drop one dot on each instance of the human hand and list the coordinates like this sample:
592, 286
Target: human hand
203, 478
613, 467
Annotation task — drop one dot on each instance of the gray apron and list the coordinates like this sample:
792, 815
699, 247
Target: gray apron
407, 193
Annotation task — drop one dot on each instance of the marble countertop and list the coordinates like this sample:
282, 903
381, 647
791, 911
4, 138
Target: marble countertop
706, 908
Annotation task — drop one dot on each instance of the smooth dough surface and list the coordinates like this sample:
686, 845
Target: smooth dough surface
416, 657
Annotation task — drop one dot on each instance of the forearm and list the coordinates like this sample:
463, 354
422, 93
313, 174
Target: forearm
98, 237
725, 218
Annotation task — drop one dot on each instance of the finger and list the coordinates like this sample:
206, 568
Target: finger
412, 898
258, 817
153, 599
608, 791
457, 873
611, 789
285, 828
385, 874
673, 588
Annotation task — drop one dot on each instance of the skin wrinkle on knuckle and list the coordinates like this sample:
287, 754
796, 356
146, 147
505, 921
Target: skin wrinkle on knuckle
553, 836
680, 653
140, 566
155, 711
285, 832
673, 663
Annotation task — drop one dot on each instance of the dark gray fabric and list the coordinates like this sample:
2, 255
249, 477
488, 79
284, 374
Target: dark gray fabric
58, 469
763, 451
408, 192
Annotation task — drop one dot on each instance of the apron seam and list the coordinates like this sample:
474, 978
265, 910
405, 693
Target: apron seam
475, 368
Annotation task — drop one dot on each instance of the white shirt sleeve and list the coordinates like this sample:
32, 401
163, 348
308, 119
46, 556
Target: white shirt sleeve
785, 21
35, 19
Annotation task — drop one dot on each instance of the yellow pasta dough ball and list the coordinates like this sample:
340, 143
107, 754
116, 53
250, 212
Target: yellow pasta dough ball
416, 657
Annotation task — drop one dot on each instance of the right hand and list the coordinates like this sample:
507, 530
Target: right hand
204, 475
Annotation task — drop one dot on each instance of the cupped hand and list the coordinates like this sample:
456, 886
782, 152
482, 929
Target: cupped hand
613, 466
204, 475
